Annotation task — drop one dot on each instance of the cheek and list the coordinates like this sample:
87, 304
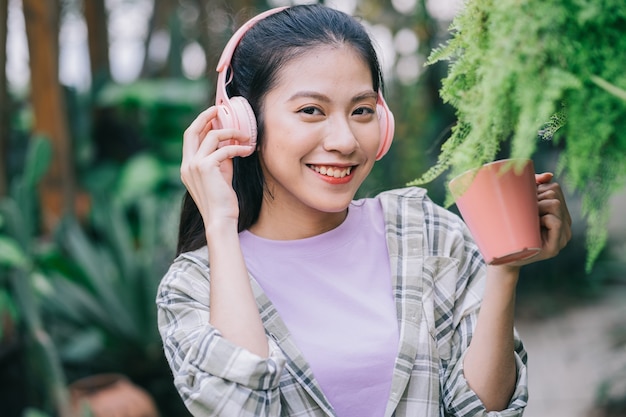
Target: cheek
278, 158
289, 141
370, 138
278, 133
277, 149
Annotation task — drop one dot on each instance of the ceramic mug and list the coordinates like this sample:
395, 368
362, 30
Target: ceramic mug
498, 202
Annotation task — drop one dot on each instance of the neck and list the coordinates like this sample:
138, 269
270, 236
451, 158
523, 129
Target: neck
278, 222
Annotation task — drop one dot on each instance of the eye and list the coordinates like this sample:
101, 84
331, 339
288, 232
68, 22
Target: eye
311, 110
363, 111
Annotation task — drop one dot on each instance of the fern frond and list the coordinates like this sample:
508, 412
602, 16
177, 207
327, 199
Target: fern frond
557, 121
520, 71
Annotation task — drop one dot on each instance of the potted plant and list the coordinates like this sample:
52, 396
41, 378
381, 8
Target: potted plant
522, 72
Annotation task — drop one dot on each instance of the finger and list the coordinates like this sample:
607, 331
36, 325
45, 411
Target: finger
555, 207
217, 139
232, 151
209, 153
239, 140
553, 191
554, 215
197, 131
544, 178
556, 234
547, 193
198, 168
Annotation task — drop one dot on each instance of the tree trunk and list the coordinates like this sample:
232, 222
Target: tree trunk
42, 32
209, 38
212, 40
98, 40
4, 98
162, 13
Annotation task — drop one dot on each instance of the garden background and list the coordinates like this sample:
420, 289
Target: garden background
94, 97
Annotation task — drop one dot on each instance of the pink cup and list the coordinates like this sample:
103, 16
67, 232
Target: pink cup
498, 203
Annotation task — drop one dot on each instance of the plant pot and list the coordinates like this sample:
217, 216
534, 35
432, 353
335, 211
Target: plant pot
108, 395
498, 202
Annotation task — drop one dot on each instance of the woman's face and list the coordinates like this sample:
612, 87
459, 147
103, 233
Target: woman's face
321, 132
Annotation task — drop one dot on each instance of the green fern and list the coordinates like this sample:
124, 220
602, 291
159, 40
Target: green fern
540, 69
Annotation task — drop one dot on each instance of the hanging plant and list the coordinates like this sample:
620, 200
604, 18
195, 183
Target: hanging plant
522, 72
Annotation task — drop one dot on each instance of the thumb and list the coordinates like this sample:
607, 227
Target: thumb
543, 178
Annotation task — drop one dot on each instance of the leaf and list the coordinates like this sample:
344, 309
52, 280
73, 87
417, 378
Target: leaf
75, 303
83, 345
140, 176
113, 224
11, 254
608, 87
37, 161
16, 224
101, 273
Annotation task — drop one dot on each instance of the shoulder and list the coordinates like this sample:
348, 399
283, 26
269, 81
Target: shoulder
410, 198
198, 257
188, 274
409, 210
193, 262
414, 202
415, 193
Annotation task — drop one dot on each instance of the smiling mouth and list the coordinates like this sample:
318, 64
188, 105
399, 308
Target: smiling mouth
333, 172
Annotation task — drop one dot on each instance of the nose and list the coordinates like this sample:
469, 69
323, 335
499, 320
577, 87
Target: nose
341, 137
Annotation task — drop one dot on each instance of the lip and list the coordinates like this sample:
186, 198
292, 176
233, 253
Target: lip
332, 179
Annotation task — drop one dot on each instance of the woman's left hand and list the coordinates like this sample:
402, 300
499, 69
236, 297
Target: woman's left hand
554, 219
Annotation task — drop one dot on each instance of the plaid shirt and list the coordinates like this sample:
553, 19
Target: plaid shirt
438, 279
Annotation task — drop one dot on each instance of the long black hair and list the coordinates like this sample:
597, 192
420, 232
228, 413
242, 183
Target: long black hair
263, 51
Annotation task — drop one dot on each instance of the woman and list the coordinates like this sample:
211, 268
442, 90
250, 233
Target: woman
315, 304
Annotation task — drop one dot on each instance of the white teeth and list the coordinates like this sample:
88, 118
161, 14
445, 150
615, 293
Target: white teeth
332, 172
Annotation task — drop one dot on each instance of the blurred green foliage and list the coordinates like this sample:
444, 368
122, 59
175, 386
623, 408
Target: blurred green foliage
81, 300
23, 276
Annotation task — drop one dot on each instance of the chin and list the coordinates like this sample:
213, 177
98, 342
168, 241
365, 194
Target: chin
334, 205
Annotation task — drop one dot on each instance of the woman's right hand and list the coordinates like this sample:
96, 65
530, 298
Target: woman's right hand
207, 172
207, 167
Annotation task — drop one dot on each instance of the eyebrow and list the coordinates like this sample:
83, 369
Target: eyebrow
322, 97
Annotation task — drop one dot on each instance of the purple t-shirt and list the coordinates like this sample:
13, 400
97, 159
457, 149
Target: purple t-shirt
334, 293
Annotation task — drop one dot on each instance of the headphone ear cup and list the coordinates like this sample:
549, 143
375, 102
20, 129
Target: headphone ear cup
386, 122
243, 118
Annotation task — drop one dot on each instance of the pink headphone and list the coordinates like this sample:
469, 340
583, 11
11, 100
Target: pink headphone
236, 112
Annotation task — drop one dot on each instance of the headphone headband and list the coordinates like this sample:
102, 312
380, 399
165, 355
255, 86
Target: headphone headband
229, 49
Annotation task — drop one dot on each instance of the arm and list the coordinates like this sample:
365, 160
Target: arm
233, 307
213, 337
213, 376
489, 364
207, 171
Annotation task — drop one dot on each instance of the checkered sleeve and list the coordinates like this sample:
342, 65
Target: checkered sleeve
457, 303
213, 376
